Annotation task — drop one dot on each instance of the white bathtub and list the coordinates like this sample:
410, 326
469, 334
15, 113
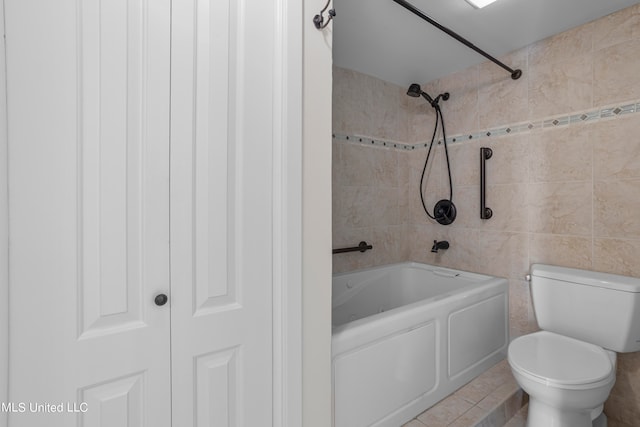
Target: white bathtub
407, 335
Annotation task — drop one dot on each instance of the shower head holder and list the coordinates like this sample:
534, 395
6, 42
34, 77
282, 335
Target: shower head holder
415, 91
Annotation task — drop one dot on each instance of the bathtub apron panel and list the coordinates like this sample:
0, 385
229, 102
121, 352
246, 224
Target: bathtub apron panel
407, 335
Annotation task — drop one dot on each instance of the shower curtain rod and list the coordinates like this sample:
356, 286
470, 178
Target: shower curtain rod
515, 74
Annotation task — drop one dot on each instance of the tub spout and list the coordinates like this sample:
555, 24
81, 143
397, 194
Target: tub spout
439, 245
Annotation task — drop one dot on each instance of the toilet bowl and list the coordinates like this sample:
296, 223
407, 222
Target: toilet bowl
569, 367
567, 380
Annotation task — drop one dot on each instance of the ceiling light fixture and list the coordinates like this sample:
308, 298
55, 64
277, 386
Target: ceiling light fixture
479, 4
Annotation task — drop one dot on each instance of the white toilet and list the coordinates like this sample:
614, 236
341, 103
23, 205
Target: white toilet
569, 367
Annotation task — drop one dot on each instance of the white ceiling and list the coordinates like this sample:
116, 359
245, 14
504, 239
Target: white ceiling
383, 39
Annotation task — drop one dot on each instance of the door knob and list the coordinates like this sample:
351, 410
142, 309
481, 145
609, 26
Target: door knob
161, 299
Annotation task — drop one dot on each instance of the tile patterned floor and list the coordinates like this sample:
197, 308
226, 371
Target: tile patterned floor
519, 419
490, 400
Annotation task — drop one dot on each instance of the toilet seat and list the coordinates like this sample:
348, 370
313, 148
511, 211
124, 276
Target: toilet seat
560, 361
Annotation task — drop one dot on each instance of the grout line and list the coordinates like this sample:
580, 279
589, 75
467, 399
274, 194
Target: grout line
486, 413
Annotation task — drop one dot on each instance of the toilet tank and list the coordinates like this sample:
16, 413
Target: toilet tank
600, 308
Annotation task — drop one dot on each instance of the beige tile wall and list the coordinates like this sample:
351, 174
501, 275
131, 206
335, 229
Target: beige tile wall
567, 195
369, 182
368, 204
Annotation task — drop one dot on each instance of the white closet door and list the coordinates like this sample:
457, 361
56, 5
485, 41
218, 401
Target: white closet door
88, 110
221, 212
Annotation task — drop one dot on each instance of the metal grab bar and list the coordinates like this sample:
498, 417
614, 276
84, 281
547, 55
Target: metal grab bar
362, 247
485, 154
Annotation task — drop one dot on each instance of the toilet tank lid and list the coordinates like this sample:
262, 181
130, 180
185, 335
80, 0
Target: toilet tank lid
586, 277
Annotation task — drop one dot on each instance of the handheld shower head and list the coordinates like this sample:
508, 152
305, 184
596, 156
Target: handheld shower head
445, 211
414, 90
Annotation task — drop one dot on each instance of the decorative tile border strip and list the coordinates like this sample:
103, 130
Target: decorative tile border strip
552, 122
368, 141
